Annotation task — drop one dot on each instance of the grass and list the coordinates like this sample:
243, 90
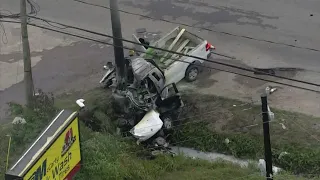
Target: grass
232, 116
217, 119
107, 156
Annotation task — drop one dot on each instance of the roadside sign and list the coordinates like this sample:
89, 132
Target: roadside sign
55, 155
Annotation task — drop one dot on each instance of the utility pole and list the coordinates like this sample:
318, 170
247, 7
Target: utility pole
118, 46
266, 135
29, 88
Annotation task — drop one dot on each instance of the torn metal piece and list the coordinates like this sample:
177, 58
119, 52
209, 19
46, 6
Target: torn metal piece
283, 126
270, 114
282, 154
270, 90
148, 126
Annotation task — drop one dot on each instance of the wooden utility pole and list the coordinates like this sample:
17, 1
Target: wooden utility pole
29, 88
266, 135
118, 45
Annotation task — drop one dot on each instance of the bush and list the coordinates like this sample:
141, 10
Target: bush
299, 160
36, 119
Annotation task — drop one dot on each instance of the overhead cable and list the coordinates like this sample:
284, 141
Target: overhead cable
206, 29
103, 42
181, 54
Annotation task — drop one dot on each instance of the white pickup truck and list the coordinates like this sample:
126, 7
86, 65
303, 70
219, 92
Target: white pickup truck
176, 67
157, 68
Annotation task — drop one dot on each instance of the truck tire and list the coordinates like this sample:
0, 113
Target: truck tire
192, 73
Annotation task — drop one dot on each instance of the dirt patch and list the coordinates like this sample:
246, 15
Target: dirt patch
208, 83
249, 82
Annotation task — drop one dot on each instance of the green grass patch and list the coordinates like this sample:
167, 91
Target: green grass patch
110, 157
107, 156
210, 122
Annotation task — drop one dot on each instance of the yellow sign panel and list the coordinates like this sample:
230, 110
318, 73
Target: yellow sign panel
62, 160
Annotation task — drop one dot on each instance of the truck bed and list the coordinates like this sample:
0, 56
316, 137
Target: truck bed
178, 40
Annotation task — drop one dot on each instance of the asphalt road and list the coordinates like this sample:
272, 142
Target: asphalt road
279, 21
283, 21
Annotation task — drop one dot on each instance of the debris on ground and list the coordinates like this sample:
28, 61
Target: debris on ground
19, 120
148, 104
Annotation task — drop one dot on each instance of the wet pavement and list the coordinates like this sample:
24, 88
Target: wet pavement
62, 63
76, 67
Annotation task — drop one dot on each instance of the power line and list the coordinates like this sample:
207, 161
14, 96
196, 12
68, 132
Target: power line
181, 54
206, 29
103, 42
35, 8
109, 36
305, 130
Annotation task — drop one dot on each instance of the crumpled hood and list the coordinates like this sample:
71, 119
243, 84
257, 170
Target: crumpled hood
141, 68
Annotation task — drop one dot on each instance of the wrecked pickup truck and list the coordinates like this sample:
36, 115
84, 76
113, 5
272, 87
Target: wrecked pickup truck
147, 107
150, 104
174, 66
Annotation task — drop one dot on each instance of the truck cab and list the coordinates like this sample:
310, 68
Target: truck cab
145, 72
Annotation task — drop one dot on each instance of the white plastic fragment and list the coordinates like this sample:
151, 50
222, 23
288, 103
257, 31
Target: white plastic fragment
80, 103
282, 154
271, 114
19, 120
283, 126
262, 167
270, 90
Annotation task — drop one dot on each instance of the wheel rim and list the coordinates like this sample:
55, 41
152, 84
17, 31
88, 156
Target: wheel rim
193, 73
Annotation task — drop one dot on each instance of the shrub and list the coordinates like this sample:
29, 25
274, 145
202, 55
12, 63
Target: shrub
37, 118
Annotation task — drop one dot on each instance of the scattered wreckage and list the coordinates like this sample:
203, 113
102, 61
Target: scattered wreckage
147, 107
150, 104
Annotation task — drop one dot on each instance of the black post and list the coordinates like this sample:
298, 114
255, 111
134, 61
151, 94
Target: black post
118, 45
266, 135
